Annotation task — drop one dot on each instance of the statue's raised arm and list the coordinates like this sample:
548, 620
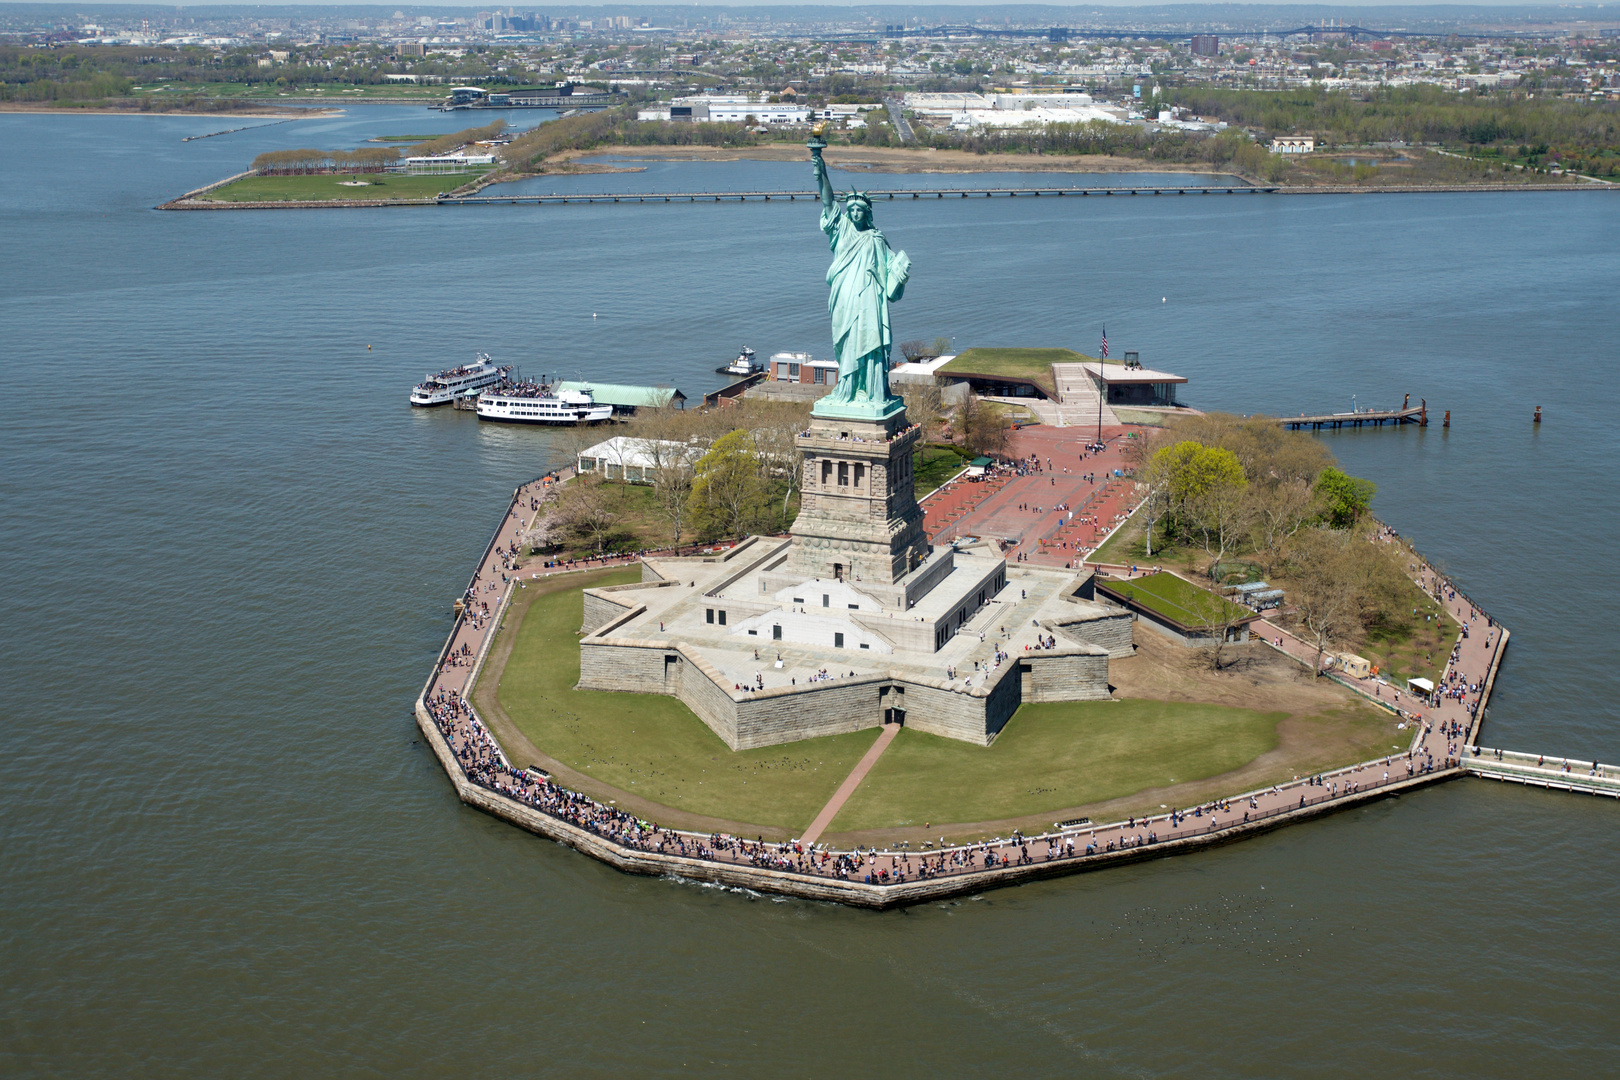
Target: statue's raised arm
823, 181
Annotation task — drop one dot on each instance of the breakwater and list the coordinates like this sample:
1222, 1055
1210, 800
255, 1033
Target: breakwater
484, 777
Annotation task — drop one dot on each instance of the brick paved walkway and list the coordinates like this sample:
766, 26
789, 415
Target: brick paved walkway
1446, 728
851, 782
1024, 510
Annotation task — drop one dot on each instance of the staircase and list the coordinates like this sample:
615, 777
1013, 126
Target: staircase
1078, 397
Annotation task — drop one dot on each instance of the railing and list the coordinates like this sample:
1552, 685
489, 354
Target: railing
1565, 774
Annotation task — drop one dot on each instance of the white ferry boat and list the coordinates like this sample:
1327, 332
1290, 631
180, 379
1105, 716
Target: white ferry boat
536, 403
468, 380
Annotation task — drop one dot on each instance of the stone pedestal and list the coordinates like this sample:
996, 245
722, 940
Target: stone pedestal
858, 515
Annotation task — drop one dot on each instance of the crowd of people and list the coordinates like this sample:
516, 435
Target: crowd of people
482, 762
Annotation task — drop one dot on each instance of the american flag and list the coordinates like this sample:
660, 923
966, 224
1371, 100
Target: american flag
1105, 343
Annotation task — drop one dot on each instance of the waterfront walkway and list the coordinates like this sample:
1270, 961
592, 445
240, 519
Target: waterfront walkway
1442, 734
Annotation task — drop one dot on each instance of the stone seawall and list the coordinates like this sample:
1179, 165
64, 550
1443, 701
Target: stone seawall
859, 893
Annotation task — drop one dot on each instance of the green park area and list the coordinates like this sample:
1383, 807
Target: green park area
324, 187
934, 463
1032, 364
1048, 758
1178, 600
1057, 754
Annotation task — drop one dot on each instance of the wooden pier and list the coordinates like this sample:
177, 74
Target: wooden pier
1417, 414
899, 193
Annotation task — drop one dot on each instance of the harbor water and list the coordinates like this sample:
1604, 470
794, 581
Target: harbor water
231, 550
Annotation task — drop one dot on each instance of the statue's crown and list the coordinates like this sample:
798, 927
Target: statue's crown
858, 196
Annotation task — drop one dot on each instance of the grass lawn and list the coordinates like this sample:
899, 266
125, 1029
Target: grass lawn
329, 186
1053, 755
1032, 364
932, 464
1175, 599
652, 745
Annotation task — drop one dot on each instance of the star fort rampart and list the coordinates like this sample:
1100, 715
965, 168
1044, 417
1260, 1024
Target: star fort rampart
854, 621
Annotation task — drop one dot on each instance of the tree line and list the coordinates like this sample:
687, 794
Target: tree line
713, 474
1412, 114
295, 162
1234, 487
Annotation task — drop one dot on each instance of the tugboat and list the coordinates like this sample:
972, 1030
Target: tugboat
743, 365
537, 403
457, 382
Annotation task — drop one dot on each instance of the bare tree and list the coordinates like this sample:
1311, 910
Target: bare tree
983, 428
925, 403
1280, 511
669, 443
1325, 591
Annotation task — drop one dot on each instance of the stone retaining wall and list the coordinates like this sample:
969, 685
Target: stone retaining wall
1067, 674
858, 893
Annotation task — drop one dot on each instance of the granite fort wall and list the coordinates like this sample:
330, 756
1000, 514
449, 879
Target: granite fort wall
1065, 675
606, 604
1111, 632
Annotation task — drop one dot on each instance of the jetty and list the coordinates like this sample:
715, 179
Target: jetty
1417, 414
1538, 770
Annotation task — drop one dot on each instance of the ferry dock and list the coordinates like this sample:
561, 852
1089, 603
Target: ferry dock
1417, 414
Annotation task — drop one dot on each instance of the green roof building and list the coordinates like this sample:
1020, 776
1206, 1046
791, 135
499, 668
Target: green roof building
627, 399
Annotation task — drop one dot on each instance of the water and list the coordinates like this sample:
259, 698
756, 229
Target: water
231, 549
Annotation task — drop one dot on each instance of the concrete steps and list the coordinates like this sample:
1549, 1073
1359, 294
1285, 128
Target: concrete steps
1078, 397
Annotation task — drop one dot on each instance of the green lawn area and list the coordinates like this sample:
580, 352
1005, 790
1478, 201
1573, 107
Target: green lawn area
1053, 755
653, 745
933, 464
328, 186
1032, 364
1179, 600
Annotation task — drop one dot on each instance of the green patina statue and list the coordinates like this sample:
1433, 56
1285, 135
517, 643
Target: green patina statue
865, 277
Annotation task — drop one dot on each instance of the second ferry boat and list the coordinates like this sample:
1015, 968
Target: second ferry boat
538, 403
468, 380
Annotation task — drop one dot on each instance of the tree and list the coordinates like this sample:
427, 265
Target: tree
1222, 512
1345, 498
671, 446
1280, 511
925, 401
1325, 589
584, 511
984, 429
728, 493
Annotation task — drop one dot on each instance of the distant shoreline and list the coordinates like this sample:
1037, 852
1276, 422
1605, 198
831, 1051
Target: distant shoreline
895, 159
268, 113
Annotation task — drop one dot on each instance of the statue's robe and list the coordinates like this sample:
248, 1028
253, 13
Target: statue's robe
864, 277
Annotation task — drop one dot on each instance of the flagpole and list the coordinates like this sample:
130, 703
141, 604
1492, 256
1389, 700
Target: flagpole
1102, 384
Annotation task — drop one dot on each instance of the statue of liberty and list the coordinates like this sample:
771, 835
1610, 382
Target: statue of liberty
866, 275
